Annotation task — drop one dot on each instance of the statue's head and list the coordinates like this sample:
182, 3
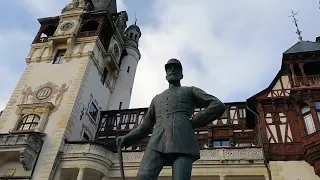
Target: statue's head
173, 71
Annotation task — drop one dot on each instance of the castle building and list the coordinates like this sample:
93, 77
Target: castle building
72, 101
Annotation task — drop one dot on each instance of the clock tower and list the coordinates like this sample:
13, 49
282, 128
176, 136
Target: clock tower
80, 63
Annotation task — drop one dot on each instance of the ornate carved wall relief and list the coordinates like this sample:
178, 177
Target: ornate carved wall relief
45, 93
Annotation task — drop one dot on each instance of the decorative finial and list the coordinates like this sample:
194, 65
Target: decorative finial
135, 22
293, 14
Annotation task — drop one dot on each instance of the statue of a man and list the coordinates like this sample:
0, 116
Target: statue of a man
173, 141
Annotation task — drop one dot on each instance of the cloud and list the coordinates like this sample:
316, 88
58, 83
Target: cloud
43, 8
12, 62
121, 5
231, 50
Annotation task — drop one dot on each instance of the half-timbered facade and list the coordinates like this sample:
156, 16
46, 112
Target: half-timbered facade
288, 110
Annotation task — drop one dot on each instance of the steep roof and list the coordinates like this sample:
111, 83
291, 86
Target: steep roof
303, 46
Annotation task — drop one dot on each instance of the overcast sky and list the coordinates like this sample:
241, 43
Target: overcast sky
231, 49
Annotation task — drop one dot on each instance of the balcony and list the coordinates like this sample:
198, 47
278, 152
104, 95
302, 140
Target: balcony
310, 80
91, 160
233, 163
20, 151
119, 122
96, 158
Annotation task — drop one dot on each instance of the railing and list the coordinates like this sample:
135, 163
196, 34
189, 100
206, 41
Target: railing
41, 40
219, 154
91, 148
88, 33
310, 80
116, 123
223, 154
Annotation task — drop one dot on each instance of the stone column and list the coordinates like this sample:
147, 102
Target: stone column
222, 177
80, 174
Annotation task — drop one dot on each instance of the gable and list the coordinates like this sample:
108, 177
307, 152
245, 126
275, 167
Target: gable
279, 89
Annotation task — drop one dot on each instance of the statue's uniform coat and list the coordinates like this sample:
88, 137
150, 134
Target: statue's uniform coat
170, 113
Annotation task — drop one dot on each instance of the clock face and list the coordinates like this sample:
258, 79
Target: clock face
116, 50
44, 93
67, 26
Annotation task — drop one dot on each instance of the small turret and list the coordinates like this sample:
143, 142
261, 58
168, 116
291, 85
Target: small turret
121, 95
133, 35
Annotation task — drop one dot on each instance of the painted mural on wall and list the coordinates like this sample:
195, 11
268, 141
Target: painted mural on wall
48, 92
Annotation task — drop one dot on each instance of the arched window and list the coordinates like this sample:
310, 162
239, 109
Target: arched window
308, 120
29, 122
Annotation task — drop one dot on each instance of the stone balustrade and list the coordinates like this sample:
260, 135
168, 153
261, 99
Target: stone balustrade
221, 154
28, 145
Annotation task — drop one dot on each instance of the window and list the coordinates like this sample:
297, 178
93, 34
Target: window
59, 57
244, 145
104, 76
221, 143
128, 70
85, 137
308, 120
93, 111
317, 106
225, 114
242, 112
120, 104
29, 122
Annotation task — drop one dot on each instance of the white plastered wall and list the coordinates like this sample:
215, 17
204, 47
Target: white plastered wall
292, 170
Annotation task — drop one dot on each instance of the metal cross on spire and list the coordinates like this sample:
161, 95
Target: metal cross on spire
293, 14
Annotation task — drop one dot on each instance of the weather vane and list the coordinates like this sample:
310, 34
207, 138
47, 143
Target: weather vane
293, 14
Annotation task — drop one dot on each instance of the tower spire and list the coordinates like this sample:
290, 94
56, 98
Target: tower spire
135, 22
293, 14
